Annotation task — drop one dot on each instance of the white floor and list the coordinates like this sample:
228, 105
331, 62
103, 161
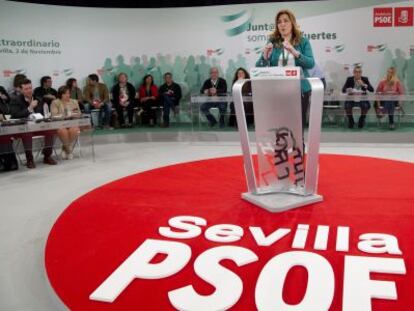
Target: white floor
31, 200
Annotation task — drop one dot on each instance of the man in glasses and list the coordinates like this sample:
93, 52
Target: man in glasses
214, 86
357, 84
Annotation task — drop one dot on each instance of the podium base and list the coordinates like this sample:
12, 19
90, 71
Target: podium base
279, 202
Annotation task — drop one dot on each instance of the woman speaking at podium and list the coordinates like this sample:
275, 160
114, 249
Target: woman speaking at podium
287, 47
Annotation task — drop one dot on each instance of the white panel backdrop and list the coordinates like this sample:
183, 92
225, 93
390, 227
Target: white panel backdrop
188, 41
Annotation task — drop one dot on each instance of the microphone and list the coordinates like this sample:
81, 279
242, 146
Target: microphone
268, 48
285, 40
272, 40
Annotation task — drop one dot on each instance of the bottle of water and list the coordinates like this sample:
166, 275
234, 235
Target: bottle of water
68, 112
46, 112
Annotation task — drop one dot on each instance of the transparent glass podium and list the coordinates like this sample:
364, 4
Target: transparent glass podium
283, 178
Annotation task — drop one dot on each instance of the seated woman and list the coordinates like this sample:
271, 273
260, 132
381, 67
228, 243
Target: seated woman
148, 98
241, 74
75, 92
66, 107
389, 85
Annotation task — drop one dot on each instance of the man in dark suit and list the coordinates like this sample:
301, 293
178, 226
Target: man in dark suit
123, 99
4, 96
8, 161
213, 87
45, 93
357, 83
4, 103
21, 107
170, 94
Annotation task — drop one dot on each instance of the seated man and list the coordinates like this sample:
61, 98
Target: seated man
170, 93
21, 107
8, 161
4, 97
4, 103
357, 83
17, 80
213, 87
96, 96
45, 94
123, 99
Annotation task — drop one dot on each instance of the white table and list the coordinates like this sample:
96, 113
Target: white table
44, 126
198, 99
31, 126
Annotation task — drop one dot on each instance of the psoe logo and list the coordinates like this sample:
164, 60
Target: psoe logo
238, 22
256, 50
7, 73
348, 67
360, 261
218, 52
291, 73
376, 48
403, 17
67, 72
337, 48
382, 17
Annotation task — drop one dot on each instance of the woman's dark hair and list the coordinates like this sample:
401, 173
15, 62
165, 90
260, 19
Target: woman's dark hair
237, 71
69, 82
93, 77
145, 78
17, 81
62, 90
44, 79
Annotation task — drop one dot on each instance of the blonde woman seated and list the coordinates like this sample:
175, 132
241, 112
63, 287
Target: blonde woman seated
389, 85
66, 107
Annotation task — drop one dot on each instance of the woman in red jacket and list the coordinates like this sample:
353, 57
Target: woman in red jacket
148, 98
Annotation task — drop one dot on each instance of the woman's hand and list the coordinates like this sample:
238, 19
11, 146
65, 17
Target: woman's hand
267, 50
289, 47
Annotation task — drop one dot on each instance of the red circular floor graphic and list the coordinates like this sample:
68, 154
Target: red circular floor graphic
97, 233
